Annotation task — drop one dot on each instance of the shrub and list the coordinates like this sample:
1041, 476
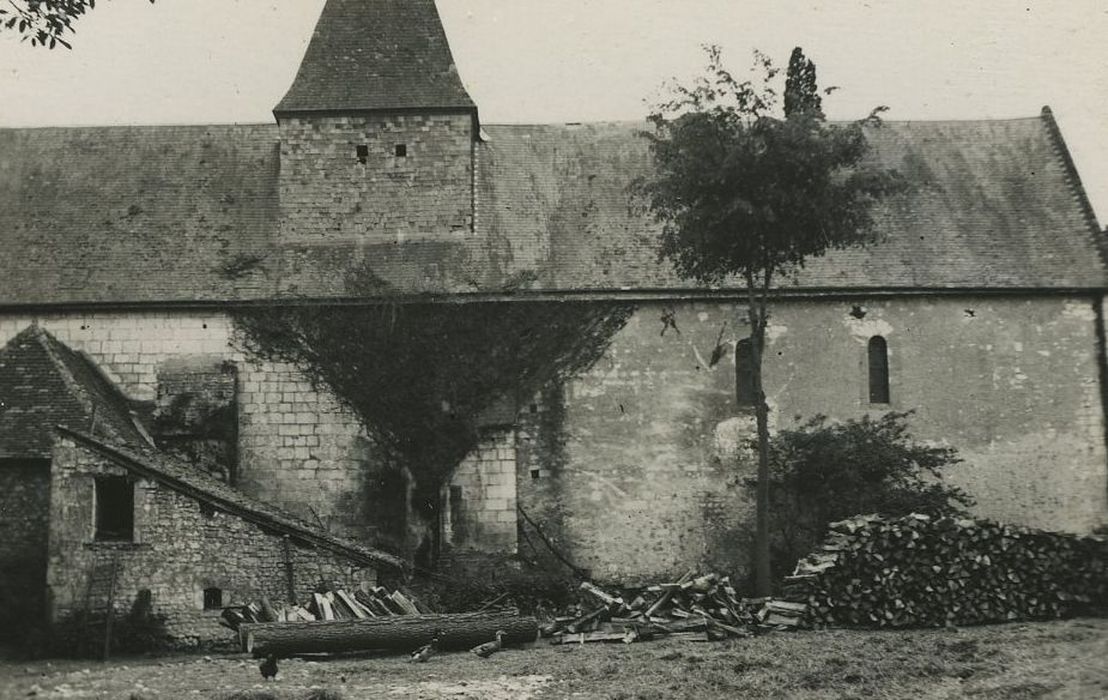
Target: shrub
822, 472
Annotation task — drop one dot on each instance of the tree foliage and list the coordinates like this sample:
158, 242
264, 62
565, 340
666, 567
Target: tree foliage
745, 189
44, 22
823, 472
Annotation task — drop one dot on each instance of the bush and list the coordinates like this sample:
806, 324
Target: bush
823, 472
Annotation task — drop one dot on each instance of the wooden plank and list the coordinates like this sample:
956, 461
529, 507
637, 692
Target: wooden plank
351, 604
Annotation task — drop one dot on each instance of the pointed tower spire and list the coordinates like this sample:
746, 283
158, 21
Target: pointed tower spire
369, 55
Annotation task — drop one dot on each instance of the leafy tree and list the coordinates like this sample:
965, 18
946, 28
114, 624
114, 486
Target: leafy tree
822, 472
749, 193
44, 22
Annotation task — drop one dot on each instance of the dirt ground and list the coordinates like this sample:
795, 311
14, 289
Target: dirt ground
1064, 659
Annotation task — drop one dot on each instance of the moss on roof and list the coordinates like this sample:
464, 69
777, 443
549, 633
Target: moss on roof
185, 214
44, 383
377, 55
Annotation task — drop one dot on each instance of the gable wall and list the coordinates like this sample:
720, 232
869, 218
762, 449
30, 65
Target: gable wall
178, 551
638, 457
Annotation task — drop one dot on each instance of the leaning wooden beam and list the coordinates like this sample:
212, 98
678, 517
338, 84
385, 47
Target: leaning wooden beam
401, 633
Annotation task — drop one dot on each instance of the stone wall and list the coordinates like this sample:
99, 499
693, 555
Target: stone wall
297, 447
24, 517
644, 451
481, 498
179, 550
329, 192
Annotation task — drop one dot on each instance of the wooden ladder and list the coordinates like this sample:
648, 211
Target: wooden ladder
100, 596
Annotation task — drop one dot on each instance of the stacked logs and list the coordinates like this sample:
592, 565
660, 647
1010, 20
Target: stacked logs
918, 571
693, 608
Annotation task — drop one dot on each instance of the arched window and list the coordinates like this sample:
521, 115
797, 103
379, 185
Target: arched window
878, 370
744, 372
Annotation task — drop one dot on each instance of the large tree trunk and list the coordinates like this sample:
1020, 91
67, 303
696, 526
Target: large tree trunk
400, 633
758, 316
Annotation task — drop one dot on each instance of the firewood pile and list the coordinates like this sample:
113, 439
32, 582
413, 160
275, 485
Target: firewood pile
337, 604
694, 608
918, 571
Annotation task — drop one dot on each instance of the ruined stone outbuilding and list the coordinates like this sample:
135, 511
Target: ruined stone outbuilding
981, 308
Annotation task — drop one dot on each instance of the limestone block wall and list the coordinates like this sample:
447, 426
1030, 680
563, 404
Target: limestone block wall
481, 497
329, 190
644, 451
24, 517
178, 551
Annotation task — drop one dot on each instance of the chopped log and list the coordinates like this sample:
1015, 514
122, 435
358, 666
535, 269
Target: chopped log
613, 602
402, 633
661, 602
403, 603
325, 608
268, 613
352, 605
587, 637
585, 620
339, 607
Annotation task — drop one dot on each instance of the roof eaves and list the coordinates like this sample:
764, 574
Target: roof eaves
134, 463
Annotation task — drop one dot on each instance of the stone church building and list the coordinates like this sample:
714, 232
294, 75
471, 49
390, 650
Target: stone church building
132, 420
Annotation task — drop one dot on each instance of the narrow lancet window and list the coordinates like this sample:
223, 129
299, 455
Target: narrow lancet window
878, 370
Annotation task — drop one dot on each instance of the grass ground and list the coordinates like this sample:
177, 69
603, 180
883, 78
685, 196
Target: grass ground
1063, 659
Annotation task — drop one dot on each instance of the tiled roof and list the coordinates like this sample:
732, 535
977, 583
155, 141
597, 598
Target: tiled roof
165, 213
168, 214
43, 383
377, 55
183, 478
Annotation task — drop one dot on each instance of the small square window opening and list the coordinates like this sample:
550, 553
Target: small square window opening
213, 599
401, 150
363, 153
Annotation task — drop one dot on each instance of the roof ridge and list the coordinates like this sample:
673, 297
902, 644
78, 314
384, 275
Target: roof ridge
1073, 180
644, 120
172, 125
135, 460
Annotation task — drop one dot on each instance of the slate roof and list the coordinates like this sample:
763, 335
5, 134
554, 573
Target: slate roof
183, 214
44, 383
136, 213
377, 55
183, 478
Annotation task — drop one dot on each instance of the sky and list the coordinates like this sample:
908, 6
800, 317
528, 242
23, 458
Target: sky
549, 61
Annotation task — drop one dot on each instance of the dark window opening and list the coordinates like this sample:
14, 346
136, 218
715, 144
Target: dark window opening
535, 473
401, 150
744, 372
457, 515
878, 370
115, 509
362, 153
213, 599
